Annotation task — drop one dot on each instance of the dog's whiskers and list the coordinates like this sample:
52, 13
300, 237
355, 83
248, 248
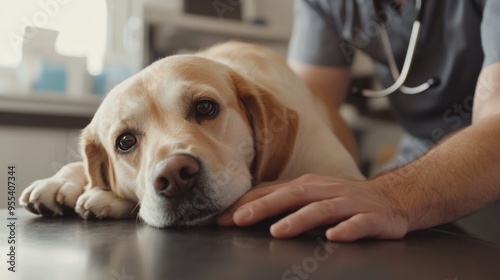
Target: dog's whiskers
137, 217
137, 205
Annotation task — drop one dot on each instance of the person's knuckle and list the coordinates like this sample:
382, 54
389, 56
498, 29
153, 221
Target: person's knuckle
256, 194
325, 207
306, 178
261, 204
297, 191
356, 227
367, 221
300, 218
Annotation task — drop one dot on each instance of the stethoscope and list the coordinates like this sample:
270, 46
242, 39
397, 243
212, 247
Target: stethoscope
399, 79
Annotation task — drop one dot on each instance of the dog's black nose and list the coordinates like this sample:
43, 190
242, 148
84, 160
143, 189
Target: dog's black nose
175, 175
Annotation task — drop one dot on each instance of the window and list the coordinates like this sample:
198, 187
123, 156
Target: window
82, 26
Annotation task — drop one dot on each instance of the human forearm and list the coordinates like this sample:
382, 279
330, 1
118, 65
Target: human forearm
456, 178
487, 95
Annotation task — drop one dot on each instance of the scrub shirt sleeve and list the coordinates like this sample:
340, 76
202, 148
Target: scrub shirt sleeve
315, 39
490, 32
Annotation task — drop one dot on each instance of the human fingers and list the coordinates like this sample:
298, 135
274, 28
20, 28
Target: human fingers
366, 225
316, 214
226, 218
290, 197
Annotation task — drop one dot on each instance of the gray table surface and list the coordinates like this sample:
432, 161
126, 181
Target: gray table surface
71, 248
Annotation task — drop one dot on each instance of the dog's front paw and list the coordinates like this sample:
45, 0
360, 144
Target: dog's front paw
54, 196
99, 203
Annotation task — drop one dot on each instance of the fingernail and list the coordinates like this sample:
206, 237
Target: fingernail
280, 228
243, 214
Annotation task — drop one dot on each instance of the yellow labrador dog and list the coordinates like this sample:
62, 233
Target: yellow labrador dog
186, 137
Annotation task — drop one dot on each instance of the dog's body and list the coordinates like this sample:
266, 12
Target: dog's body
190, 134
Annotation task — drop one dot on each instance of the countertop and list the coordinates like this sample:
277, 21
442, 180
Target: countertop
71, 248
47, 110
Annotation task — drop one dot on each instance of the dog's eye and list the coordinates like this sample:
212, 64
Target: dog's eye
206, 109
125, 142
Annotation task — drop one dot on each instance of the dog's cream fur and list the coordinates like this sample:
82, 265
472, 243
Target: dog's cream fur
269, 127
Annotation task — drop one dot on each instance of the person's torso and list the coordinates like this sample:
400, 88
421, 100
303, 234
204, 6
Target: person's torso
448, 48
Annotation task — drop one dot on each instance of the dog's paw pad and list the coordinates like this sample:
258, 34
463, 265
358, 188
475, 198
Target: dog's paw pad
31, 207
68, 211
45, 211
89, 215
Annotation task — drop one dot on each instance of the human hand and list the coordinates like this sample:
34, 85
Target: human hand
353, 209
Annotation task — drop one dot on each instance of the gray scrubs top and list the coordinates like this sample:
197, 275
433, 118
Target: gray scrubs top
457, 39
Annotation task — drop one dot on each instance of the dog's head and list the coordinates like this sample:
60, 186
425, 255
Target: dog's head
185, 138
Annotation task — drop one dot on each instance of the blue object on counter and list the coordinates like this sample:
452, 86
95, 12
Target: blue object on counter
112, 75
53, 77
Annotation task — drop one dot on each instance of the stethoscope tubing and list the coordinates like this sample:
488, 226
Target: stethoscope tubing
400, 78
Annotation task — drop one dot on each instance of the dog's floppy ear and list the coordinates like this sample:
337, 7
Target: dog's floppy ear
274, 128
97, 165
